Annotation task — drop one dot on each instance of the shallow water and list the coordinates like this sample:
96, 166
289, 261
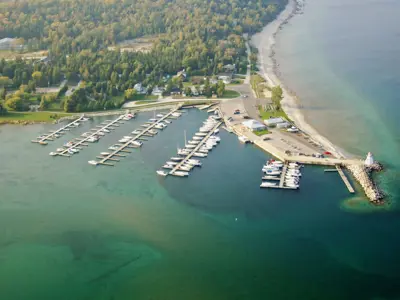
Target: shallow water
341, 58
73, 231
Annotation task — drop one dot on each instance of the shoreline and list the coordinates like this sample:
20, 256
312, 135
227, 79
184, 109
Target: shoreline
265, 42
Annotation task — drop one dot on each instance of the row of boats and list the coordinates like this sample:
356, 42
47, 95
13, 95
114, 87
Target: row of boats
199, 146
73, 147
273, 172
133, 141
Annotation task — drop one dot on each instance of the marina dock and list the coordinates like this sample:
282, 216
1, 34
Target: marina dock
284, 170
122, 148
55, 134
192, 152
345, 179
83, 141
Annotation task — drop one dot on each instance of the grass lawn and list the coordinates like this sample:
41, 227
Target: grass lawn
273, 114
31, 116
261, 132
230, 94
144, 97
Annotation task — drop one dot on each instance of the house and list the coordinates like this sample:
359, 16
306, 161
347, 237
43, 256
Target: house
225, 77
9, 44
181, 74
213, 81
195, 92
175, 91
141, 90
272, 122
254, 125
158, 91
229, 68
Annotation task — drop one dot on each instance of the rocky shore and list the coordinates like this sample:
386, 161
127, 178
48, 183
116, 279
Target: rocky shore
363, 175
20, 122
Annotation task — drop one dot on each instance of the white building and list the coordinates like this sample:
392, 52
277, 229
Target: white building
369, 161
140, 89
254, 125
194, 90
9, 44
271, 122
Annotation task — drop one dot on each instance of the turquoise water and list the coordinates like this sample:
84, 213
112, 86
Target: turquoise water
69, 230
341, 58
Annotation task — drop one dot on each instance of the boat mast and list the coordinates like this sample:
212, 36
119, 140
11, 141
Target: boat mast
184, 132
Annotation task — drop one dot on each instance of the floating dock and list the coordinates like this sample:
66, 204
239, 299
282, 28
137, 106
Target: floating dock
54, 134
345, 179
110, 157
284, 170
84, 140
211, 132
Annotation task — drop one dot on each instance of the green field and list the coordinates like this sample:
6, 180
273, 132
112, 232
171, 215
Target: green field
230, 94
272, 114
261, 132
31, 116
144, 97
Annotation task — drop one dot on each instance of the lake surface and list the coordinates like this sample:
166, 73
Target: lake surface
341, 57
69, 230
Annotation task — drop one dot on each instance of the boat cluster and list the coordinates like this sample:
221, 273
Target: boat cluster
273, 172
133, 141
201, 143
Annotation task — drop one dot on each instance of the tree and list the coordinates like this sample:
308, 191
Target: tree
3, 110
3, 93
220, 88
129, 94
37, 77
15, 103
188, 91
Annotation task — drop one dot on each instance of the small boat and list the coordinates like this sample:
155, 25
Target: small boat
190, 146
105, 153
69, 144
267, 184
176, 158
137, 143
270, 178
53, 153
193, 142
292, 185
167, 121
168, 166
60, 149
101, 133
200, 134
159, 115
57, 135
136, 132
181, 173
161, 173
86, 134
93, 162
272, 172
153, 120
243, 139
70, 151
184, 168
93, 139
172, 163
123, 140
199, 154
197, 138
176, 114
105, 130
74, 150
113, 148
216, 131
84, 119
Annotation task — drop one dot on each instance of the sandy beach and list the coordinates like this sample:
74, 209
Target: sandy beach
265, 41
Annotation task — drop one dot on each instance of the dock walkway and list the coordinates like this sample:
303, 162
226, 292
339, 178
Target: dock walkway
345, 179
128, 144
195, 149
84, 140
49, 137
284, 170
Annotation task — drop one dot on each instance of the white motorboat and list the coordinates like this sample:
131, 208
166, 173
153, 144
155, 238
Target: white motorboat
267, 184
267, 177
181, 173
197, 138
215, 138
69, 144
113, 148
243, 139
168, 166
93, 162
216, 131
183, 152
273, 173
190, 146
53, 153
292, 185
84, 119
136, 132
152, 131
74, 150
176, 158
86, 134
200, 134
162, 173
199, 154
92, 139
127, 137
70, 151
105, 130
101, 133
172, 163
60, 149
167, 121
105, 153
137, 143
176, 114
153, 120
184, 168
159, 126
159, 115
193, 142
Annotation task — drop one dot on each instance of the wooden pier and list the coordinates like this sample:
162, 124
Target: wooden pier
128, 144
53, 134
195, 149
284, 170
84, 140
345, 179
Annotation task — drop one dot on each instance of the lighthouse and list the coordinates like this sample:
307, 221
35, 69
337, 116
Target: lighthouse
369, 161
